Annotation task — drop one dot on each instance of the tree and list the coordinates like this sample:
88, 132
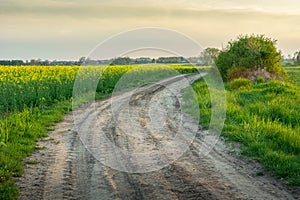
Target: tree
297, 57
32, 62
209, 55
254, 51
121, 61
81, 60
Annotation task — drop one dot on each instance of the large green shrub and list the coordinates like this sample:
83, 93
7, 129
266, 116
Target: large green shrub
255, 51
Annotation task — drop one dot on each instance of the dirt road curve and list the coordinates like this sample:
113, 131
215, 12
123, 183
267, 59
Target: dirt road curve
65, 169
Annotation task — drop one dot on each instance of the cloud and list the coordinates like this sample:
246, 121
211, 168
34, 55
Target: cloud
132, 8
73, 23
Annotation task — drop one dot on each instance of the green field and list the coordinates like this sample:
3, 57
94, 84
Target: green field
264, 118
33, 98
294, 74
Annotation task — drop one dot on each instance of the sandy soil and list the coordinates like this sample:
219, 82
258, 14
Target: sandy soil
71, 164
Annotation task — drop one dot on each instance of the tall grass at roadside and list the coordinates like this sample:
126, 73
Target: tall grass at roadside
264, 118
24, 129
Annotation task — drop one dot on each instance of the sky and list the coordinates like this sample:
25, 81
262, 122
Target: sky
69, 29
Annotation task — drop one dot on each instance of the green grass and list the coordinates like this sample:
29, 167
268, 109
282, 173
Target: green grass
24, 129
264, 118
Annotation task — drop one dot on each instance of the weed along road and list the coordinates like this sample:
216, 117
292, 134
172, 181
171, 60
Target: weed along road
122, 148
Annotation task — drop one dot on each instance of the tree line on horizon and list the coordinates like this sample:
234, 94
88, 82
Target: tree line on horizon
206, 58
113, 61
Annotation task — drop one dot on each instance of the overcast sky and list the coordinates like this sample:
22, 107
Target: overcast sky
69, 29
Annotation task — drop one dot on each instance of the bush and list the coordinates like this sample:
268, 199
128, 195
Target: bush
255, 51
240, 83
236, 73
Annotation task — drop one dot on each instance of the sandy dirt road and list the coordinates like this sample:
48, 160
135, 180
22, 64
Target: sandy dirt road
69, 168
